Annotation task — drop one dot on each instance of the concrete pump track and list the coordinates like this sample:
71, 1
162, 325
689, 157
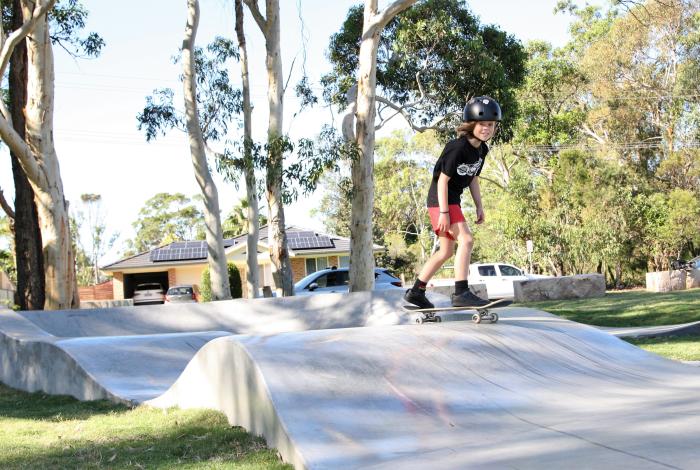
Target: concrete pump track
350, 381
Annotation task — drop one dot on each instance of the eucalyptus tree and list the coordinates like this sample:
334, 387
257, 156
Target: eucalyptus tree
92, 214
67, 20
269, 25
166, 218
216, 255
37, 154
422, 66
642, 64
211, 104
252, 211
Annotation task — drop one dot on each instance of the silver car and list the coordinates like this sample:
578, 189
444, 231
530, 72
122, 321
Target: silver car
187, 293
328, 281
149, 293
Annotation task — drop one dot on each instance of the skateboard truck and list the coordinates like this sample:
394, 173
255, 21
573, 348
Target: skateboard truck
484, 312
429, 317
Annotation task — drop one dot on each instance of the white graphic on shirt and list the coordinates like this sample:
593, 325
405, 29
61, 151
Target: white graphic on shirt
469, 169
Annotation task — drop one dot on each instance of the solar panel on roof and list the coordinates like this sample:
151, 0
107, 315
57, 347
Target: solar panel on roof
180, 251
291, 235
313, 241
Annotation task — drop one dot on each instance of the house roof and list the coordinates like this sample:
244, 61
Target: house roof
300, 241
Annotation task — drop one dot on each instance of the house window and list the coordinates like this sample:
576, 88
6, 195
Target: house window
316, 264
344, 262
310, 265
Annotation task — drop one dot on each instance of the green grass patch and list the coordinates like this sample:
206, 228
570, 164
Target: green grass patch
47, 432
680, 348
628, 308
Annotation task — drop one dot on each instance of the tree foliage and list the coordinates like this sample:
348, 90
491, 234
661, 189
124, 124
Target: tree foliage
234, 279
431, 60
218, 102
166, 218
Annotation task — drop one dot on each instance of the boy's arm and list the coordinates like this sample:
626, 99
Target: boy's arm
475, 190
444, 219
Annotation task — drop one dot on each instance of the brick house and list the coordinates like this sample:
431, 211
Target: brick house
184, 262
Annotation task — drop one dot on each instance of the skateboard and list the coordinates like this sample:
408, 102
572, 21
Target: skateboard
483, 312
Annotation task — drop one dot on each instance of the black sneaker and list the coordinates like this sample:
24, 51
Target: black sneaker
468, 299
418, 299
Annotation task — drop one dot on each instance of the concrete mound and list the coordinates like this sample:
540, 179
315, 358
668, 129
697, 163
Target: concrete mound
132, 354
532, 391
350, 381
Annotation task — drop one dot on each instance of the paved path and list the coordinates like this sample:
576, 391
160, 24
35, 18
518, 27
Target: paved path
649, 331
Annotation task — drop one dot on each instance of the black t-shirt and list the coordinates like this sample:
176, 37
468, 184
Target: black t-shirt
461, 161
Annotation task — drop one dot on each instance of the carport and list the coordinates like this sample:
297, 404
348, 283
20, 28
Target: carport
132, 280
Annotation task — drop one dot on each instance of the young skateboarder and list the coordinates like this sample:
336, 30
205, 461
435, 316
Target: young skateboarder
458, 168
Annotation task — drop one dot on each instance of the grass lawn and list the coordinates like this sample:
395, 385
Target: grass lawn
638, 308
680, 348
52, 432
628, 308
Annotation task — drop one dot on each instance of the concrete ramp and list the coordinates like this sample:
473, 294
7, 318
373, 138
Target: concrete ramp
349, 381
246, 316
532, 391
132, 354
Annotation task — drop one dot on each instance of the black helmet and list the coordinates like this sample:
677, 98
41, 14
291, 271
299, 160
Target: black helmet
482, 108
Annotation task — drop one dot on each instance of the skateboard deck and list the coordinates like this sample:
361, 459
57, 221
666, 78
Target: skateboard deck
483, 311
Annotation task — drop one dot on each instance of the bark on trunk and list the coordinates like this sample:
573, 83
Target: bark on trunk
279, 253
361, 253
253, 222
39, 160
28, 252
361, 247
220, 288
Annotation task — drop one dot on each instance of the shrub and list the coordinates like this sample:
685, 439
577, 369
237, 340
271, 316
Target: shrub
234, 279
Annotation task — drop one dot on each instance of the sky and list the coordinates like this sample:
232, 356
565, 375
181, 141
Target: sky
99, 146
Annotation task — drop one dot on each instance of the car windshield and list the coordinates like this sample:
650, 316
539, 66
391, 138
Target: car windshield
509, 270
180, 291
487, 270
148, 287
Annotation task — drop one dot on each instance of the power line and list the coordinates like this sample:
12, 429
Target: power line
617, 146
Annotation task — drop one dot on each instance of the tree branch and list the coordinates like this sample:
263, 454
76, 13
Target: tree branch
255, 11
402, 111
19, 34
348, 125
6, 207
590, 132
382, 19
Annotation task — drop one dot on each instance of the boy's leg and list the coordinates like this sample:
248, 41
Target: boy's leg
437, 259
463, 297
416, 294
465, 243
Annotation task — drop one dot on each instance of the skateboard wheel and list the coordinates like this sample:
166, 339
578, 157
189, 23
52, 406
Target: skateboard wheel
494, 317
476, 318
419, 321
438, 318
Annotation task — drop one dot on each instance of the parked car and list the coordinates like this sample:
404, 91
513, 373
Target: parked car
331, 280
149, 293
498, 278
186, 293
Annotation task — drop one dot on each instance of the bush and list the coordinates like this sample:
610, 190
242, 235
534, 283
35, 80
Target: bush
234, 279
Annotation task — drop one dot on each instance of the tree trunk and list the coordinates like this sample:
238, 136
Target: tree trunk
220, 288
28, 252
252, 220
361, 246
46, 182
279, 253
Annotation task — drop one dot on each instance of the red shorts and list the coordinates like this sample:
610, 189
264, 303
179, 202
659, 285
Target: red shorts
455, 214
